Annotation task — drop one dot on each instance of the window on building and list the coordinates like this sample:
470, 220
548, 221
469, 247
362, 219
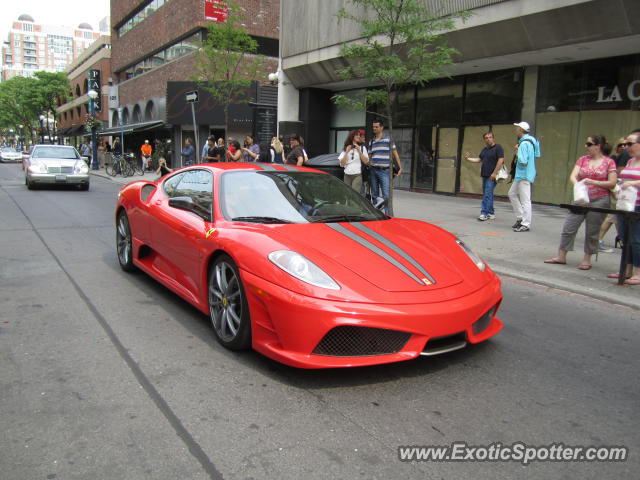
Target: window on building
27, 27
486, 90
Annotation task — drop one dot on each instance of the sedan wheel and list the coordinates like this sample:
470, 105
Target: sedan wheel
124, 243
228, 305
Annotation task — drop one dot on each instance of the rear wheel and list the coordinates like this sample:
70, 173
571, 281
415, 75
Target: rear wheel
228, 305
110, 169
30, 185
124, 244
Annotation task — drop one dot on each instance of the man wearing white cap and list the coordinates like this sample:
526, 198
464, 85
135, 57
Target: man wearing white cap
525, 174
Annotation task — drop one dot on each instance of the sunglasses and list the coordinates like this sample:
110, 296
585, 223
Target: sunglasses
628, 144
589, 144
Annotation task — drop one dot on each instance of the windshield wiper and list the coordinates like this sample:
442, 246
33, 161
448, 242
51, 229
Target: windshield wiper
341, 218
261, 220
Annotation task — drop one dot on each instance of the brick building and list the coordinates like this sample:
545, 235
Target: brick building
153, 54
73, 114
31, 47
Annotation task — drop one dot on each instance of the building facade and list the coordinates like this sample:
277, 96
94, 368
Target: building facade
153, 55
571, 68
31, 47
82, 75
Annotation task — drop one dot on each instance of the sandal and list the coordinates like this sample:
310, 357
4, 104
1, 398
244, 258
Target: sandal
632, 281
555, 261
584, 267
616, 275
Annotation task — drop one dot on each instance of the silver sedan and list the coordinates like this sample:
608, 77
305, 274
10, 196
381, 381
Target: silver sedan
9, 154
55, 165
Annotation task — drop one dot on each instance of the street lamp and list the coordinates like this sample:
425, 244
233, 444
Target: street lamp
42, 128
92, 101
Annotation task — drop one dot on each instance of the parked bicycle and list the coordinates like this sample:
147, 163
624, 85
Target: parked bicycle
120, 166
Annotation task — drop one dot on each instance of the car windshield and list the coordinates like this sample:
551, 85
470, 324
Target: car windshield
9, 150
292, 197
66, 153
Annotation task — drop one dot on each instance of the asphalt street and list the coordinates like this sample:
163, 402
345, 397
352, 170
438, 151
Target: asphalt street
109, 375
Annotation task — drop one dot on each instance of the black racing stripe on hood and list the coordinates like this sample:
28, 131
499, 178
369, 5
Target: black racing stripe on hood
266, 166
395, 248
370, 246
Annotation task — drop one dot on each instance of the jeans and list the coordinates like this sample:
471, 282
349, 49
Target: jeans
488, 186
634, 240
380, 181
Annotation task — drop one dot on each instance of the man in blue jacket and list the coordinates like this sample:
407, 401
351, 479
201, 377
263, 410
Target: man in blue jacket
525, 175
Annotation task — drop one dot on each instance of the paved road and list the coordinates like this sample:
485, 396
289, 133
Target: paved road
108, 375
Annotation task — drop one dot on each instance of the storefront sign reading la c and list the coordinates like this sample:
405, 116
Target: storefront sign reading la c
633, 93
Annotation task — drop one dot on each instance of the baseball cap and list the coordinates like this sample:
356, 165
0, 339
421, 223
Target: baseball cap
361, 133
523, 125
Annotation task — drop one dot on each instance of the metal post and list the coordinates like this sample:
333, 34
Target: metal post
195, 133
95, 165
121, 131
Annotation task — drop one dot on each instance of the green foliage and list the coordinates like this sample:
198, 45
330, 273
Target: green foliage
402, 43
24, 99
227, 61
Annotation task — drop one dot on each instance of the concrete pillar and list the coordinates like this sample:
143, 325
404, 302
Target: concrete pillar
288, 100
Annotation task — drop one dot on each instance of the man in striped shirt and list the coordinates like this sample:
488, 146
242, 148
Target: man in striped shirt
381, 147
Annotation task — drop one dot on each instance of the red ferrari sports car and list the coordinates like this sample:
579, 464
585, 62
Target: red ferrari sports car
294, 263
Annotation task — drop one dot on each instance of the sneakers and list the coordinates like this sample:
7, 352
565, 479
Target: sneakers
517, 224
491, 216
602, 247
483, 218
521, 228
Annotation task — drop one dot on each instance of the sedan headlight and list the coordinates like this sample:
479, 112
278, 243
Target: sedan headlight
38, 167
298, 266
80, 167
472, 255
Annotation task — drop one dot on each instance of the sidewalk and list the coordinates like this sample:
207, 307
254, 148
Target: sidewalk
510, 254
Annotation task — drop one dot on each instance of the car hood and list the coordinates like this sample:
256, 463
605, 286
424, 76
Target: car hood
394, 255
57, 162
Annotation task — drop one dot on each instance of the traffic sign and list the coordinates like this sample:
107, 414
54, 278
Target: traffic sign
192, 96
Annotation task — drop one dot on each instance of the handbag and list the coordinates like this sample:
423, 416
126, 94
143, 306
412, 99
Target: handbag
627, 199
503, 174
580, 193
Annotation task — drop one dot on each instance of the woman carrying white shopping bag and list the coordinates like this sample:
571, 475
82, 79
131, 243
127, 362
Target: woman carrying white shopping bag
597, 172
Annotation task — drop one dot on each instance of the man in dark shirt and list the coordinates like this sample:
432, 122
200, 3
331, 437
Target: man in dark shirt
492, 158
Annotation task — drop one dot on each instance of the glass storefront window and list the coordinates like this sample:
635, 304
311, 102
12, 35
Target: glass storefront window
493, 96
440, 103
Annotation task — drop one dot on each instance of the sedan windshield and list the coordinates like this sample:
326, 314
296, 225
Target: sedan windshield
9, 150
65, 153
292, 197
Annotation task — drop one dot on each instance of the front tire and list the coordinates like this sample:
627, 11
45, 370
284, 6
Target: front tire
228, 307
124, 243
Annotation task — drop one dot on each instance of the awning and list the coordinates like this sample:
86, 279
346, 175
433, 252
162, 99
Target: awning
74, 131
133, 127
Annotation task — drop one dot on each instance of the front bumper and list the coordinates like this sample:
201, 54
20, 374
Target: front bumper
288, 327
58, 178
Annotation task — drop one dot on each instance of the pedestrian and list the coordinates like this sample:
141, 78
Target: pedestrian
145, 151
630, 178
492, 158
163, 169
205, 149
187, 153
221, 149
277, 150
610, 219
382, 150
102, 150
212, 153
234, 152
85, 151
296, 155
599, 174
352, 157
528, 149
251, 150
117, 148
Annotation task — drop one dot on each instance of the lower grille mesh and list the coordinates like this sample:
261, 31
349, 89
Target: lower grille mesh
352, 341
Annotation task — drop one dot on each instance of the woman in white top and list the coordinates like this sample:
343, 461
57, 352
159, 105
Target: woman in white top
352, 157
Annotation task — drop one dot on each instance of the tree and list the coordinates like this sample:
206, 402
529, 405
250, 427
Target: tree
52, 89
20, 105
401, 43
227, 61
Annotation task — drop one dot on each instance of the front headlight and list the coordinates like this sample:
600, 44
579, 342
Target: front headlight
472, 255
38, 167
80, 167
298, 266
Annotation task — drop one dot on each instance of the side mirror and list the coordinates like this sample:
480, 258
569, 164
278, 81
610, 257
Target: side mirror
187, 203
